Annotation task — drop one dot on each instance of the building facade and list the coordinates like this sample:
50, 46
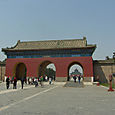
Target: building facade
2, 70
29, 59
103, 68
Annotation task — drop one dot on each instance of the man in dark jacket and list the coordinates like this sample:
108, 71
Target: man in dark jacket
7, 82
79, 78
22, 82
74, 77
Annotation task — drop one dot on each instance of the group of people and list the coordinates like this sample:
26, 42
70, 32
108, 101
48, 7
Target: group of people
40, 80
75, 77
31, 81
14, 82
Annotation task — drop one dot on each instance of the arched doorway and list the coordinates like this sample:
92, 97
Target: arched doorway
75, 69
20, 71
47, 68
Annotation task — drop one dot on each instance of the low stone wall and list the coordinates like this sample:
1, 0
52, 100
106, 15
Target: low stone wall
103, 68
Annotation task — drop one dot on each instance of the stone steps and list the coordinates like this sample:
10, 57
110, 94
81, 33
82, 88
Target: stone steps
74, 84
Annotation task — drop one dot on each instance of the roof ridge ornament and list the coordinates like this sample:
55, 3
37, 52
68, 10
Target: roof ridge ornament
18, 41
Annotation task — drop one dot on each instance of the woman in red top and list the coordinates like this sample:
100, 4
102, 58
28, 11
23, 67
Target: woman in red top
15, 83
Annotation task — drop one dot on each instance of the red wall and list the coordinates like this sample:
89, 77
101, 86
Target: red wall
61, 64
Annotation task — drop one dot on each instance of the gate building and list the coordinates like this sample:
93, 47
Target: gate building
29, 59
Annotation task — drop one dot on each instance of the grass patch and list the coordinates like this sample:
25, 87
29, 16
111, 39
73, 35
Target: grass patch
107, 85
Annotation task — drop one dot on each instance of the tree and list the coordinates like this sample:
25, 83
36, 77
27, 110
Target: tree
107, 57
50, 73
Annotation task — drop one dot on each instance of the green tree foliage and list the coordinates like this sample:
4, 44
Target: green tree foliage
107, 57
50, 72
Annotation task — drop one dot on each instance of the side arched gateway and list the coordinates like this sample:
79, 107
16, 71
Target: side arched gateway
47, 68
20, 71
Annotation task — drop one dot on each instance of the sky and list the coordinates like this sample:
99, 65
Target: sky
34, 20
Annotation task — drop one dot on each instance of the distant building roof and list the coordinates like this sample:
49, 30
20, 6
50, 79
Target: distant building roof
109, 61
50, 44
76, 72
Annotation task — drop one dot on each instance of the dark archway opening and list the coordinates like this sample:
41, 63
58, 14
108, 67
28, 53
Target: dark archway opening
47, 70
21, 71
75, 69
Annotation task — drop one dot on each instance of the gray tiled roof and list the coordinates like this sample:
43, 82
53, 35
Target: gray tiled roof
109, 61
51, 44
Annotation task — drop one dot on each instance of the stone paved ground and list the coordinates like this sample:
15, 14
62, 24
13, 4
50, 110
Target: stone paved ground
58, 100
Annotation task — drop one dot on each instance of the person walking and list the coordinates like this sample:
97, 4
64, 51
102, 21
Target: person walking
41, 79
32, 80
36, 82
50, 80
22, 82
12, 79
25, 80
79, 78
15, 83
46, 78
74, 77
7, 82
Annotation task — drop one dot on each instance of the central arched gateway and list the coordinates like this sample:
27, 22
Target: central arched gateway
36, 55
